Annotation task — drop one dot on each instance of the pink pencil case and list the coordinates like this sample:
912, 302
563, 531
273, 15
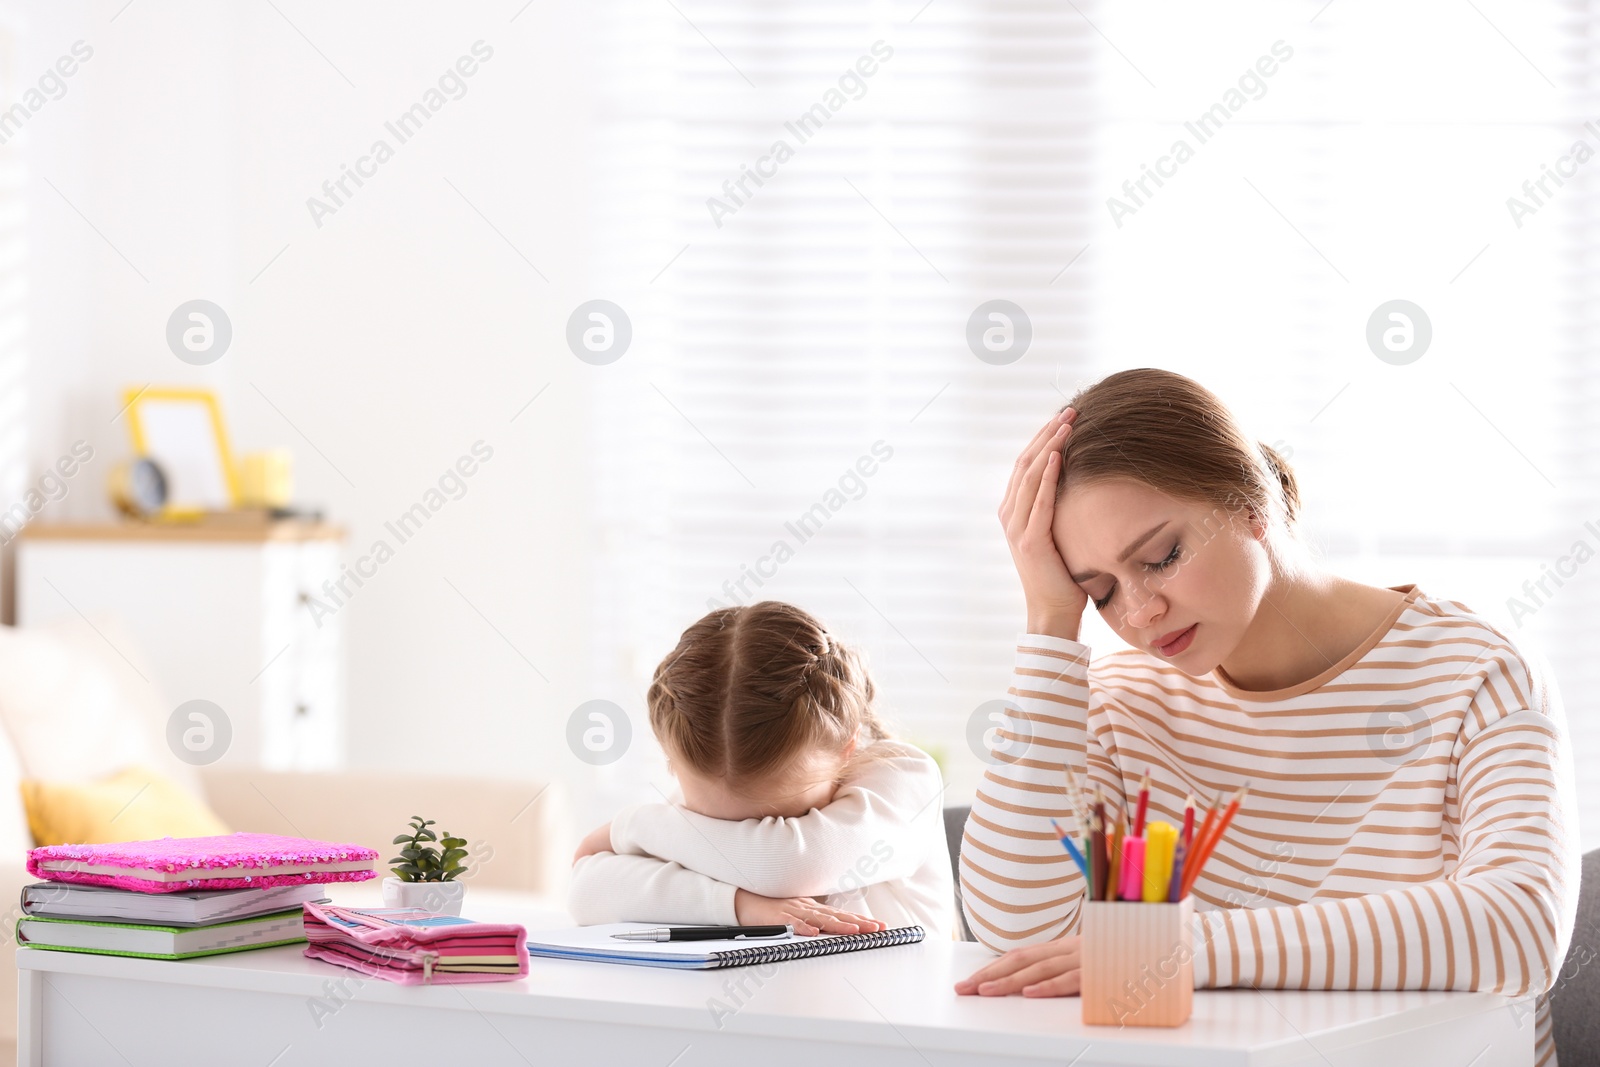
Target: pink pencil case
229, 861
410, 946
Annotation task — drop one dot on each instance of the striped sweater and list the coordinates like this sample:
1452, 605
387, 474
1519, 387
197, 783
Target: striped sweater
1411, 822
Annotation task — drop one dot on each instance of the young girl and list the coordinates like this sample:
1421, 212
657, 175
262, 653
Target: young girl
1411, 817
794, 805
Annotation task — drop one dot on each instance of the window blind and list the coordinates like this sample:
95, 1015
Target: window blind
781, 328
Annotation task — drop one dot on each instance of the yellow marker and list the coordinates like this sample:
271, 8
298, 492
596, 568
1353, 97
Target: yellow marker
1161, 843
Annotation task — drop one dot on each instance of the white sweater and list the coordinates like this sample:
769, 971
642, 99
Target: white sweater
877, 849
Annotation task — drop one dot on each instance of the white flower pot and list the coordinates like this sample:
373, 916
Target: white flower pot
443, 898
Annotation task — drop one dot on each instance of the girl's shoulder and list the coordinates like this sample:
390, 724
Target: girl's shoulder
887, 747
891, 755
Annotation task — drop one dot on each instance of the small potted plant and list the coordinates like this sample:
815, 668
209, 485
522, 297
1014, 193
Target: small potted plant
425, 873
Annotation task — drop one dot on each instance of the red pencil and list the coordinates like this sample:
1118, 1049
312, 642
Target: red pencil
1144, 804
1188, 822
1208, 845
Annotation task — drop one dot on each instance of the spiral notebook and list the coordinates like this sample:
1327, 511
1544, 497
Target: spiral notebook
596, 945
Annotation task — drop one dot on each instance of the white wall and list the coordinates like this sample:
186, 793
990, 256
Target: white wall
392, 338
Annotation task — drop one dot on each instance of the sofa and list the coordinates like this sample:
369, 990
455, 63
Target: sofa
77, 704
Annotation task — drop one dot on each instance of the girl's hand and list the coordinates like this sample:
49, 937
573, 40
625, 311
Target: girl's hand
1048, 970
808, 916
1055, 602
598, 840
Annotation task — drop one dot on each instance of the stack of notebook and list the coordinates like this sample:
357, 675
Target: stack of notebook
415, 947
181, 897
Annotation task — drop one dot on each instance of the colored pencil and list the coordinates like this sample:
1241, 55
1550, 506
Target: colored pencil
1208, 845
1102, 844
1200, 836
1188, 820
1175, 887
1097, 856
1144, 805
1113, 884
1072, 850
1132, 887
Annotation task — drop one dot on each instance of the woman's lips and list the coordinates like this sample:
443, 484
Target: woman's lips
1184, 639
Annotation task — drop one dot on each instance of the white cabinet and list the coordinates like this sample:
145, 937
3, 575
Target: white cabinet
220, 613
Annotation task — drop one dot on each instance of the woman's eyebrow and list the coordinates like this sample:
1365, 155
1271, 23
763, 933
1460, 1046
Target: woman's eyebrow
1133, 547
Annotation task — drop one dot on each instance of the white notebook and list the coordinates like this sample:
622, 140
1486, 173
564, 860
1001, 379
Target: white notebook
194, 907
595, 944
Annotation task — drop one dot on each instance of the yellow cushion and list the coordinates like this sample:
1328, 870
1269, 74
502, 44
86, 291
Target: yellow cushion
136, 804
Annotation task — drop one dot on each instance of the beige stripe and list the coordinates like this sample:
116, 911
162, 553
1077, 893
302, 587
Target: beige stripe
1376, 942
1004, 940
1056, 812
1049, 904
1302, 949
1423, 938
1138, 683
1075, 658
1446, 932
1399, 941
1283, 947
1512, 936
1327, 943
1350, 941
1472, 935
1045, 694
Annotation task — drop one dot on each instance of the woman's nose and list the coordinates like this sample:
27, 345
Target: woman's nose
1147, 608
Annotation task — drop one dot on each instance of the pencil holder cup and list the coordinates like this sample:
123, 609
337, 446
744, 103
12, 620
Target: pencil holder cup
1138, 963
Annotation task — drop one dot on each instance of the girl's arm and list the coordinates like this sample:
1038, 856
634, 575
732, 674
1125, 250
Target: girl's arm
1501, 921
879, 827
608, 888
1018, 885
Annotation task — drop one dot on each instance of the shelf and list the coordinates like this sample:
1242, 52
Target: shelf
247, 529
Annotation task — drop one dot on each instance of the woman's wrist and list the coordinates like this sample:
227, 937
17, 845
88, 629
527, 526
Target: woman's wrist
1053, 625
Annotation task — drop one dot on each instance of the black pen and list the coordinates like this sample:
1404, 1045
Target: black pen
705, 933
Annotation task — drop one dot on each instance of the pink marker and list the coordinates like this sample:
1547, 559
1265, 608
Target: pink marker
1132, 887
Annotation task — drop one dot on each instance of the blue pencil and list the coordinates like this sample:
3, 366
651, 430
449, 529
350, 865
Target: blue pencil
1072, 850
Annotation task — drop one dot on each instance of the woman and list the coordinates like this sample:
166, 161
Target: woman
1410, 822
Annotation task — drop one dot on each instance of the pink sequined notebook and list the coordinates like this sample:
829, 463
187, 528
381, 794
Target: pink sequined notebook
232, 861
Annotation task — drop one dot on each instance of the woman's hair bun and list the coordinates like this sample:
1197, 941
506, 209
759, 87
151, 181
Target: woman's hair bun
1290, 488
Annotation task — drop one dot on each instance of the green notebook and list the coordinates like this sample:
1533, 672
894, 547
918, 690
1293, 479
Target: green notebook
161, 942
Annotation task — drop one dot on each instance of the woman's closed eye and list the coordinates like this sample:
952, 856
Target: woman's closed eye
1100, 603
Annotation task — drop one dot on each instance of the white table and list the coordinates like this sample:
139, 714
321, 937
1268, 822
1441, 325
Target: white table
886, 1007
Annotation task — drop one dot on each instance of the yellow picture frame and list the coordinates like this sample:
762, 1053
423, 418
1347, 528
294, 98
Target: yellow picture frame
168, 425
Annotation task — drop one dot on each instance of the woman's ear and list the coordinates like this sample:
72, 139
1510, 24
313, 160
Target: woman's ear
1257, 524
